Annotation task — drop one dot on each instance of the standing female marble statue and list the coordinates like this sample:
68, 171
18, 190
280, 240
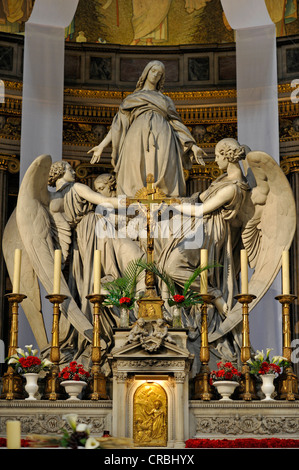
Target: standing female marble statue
148, 137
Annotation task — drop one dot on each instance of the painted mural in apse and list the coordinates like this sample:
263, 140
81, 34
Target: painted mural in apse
150, 22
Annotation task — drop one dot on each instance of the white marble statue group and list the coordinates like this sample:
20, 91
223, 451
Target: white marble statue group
249, 206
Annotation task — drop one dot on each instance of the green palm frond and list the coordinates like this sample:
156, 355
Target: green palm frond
162, 274
195, 275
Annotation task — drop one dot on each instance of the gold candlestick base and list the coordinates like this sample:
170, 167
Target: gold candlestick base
12, 381
287, 382
202, 387
96, 389
53, 389
247, 387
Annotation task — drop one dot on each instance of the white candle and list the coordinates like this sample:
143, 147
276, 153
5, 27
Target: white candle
17, 271
285, 273
204, 274
244, 272
97, 272
13, 434
57, 272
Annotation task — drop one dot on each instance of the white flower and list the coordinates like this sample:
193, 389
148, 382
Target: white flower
47, 363
278, 359
21, 351
259, 355
82, 428
13, 359
91, 443
71, 419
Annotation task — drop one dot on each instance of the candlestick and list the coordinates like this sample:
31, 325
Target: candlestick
57, 272
13, 434
244, 272
53, 390
97, 386
97, 272
17, 271
285, 273
12, 381
202, 388
248, 388
204, 274
287, 380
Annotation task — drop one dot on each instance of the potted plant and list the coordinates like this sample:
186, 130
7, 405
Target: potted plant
28, 364
122, 291
179, 300
267, 370
74, 378
225, 379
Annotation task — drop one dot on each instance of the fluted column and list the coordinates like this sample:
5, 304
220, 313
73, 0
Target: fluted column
290, 166
200, 177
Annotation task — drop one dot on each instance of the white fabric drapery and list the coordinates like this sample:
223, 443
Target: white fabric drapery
43, 80
258, 127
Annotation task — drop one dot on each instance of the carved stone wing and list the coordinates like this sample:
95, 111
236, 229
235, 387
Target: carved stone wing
34, 224
269, 224
28, 282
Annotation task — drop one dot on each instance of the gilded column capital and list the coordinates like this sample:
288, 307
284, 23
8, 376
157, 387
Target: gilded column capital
290, 164
9, 163
210, 171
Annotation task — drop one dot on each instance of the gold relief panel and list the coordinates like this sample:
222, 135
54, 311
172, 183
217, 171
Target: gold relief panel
150, 412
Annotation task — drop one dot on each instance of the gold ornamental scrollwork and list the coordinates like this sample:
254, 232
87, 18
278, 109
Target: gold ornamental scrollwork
290, 165
9, 163
150, 423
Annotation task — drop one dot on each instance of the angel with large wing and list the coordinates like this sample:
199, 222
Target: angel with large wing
63, 219
256, 212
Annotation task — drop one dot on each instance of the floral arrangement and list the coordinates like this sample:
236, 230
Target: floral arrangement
226, 371
187, 297
262, 365
77, 437
121, 291
74, 372
25, 362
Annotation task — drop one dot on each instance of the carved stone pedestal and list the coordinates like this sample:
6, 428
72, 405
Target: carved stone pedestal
150, 388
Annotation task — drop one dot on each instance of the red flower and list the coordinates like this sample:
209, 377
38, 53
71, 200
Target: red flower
125, 300
29, 361
178, 298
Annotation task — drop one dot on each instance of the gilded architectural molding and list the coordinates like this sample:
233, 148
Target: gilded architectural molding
9, 163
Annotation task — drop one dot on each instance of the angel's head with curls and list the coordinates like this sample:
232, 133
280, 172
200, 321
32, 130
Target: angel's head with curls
231, 150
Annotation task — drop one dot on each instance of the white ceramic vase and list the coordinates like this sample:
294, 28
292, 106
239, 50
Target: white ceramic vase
268, 386
73, 388
31, 386
124, 317
226, 388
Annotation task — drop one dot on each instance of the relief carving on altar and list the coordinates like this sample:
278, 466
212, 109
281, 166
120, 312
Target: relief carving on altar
150, 409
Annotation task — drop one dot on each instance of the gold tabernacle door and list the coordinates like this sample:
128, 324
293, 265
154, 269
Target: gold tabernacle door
150, 412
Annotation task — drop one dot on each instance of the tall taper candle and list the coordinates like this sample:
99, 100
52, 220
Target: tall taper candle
57, 272
97, 272
285, 273
204, 274
17, 271
13, 434
244, 272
